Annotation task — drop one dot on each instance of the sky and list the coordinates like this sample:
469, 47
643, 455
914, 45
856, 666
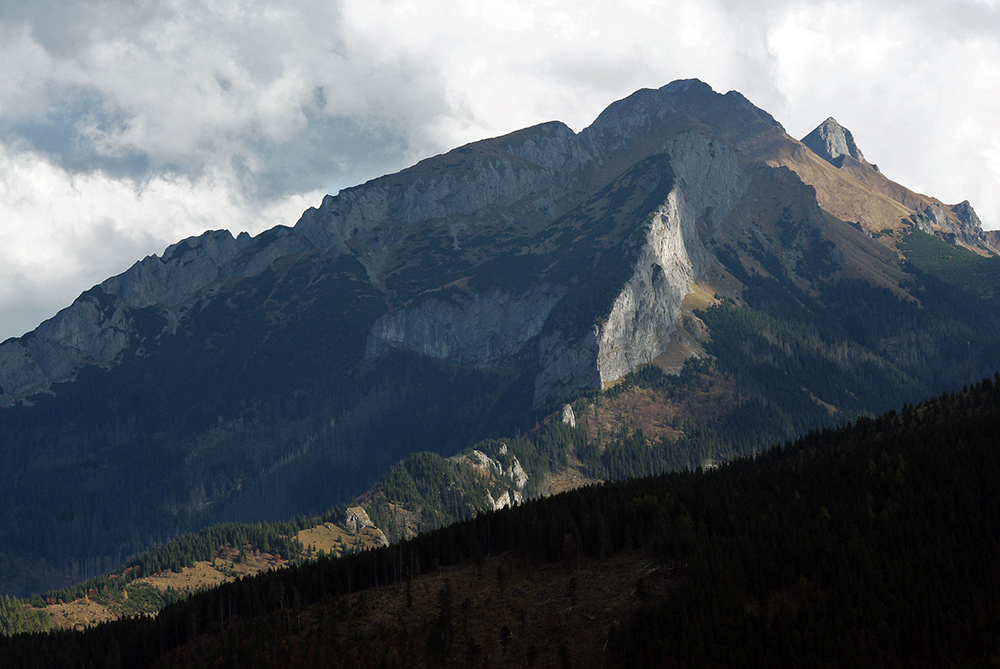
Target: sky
127, 125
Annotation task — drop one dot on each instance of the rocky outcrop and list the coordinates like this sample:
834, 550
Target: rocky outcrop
832, 142
505, 484
957, 224
568, 417
356, 519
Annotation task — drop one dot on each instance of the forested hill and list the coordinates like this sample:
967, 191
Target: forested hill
873, 544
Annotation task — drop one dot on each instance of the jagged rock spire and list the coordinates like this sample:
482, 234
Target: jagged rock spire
832, 142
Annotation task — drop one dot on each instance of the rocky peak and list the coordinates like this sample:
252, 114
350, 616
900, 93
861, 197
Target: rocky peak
956, 224
667, 110
832, 141
468, 183
967, 215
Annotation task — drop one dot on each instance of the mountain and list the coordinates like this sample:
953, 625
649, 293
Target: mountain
468, 296
834, 143
872, 544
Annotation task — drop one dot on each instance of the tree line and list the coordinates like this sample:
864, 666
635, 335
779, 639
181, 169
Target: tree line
870, 544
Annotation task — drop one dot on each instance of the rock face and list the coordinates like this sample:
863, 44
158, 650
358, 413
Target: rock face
645, 314
505, 484
958, 224
471, 328
832, 141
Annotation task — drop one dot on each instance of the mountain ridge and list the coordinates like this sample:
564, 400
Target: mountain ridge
371, 220
462, 299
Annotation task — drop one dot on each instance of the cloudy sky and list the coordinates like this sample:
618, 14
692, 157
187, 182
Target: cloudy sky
126, 125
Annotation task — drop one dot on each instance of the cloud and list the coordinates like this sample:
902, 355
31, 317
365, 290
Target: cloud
186, 87
132, 123
63, 232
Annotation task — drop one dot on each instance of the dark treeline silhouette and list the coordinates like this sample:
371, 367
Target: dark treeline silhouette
872, 544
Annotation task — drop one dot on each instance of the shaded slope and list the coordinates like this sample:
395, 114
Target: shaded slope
872, 545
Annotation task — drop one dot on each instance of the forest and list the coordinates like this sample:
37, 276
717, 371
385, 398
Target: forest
870, 544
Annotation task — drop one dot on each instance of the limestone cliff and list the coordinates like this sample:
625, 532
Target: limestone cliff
505, 485
468, 327
646, 313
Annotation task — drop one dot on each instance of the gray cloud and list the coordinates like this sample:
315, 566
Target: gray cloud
137, 90
65, 133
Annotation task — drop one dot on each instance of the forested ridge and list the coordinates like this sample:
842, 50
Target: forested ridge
872, 544
120, 590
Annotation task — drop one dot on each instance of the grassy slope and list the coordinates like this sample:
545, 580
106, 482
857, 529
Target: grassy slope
130, 592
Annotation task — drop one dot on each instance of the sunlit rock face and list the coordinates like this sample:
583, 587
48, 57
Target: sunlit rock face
832, 141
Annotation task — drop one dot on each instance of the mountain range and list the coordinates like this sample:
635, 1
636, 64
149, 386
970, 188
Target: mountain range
681, 246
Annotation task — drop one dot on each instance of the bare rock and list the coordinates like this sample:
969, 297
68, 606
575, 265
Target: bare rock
568, 417
832, 141
357, 519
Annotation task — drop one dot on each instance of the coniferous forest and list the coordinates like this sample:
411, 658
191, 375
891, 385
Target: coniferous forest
873, 544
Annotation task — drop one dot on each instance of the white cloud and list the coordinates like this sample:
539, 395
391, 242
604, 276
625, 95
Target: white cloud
137, 123
63, 232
